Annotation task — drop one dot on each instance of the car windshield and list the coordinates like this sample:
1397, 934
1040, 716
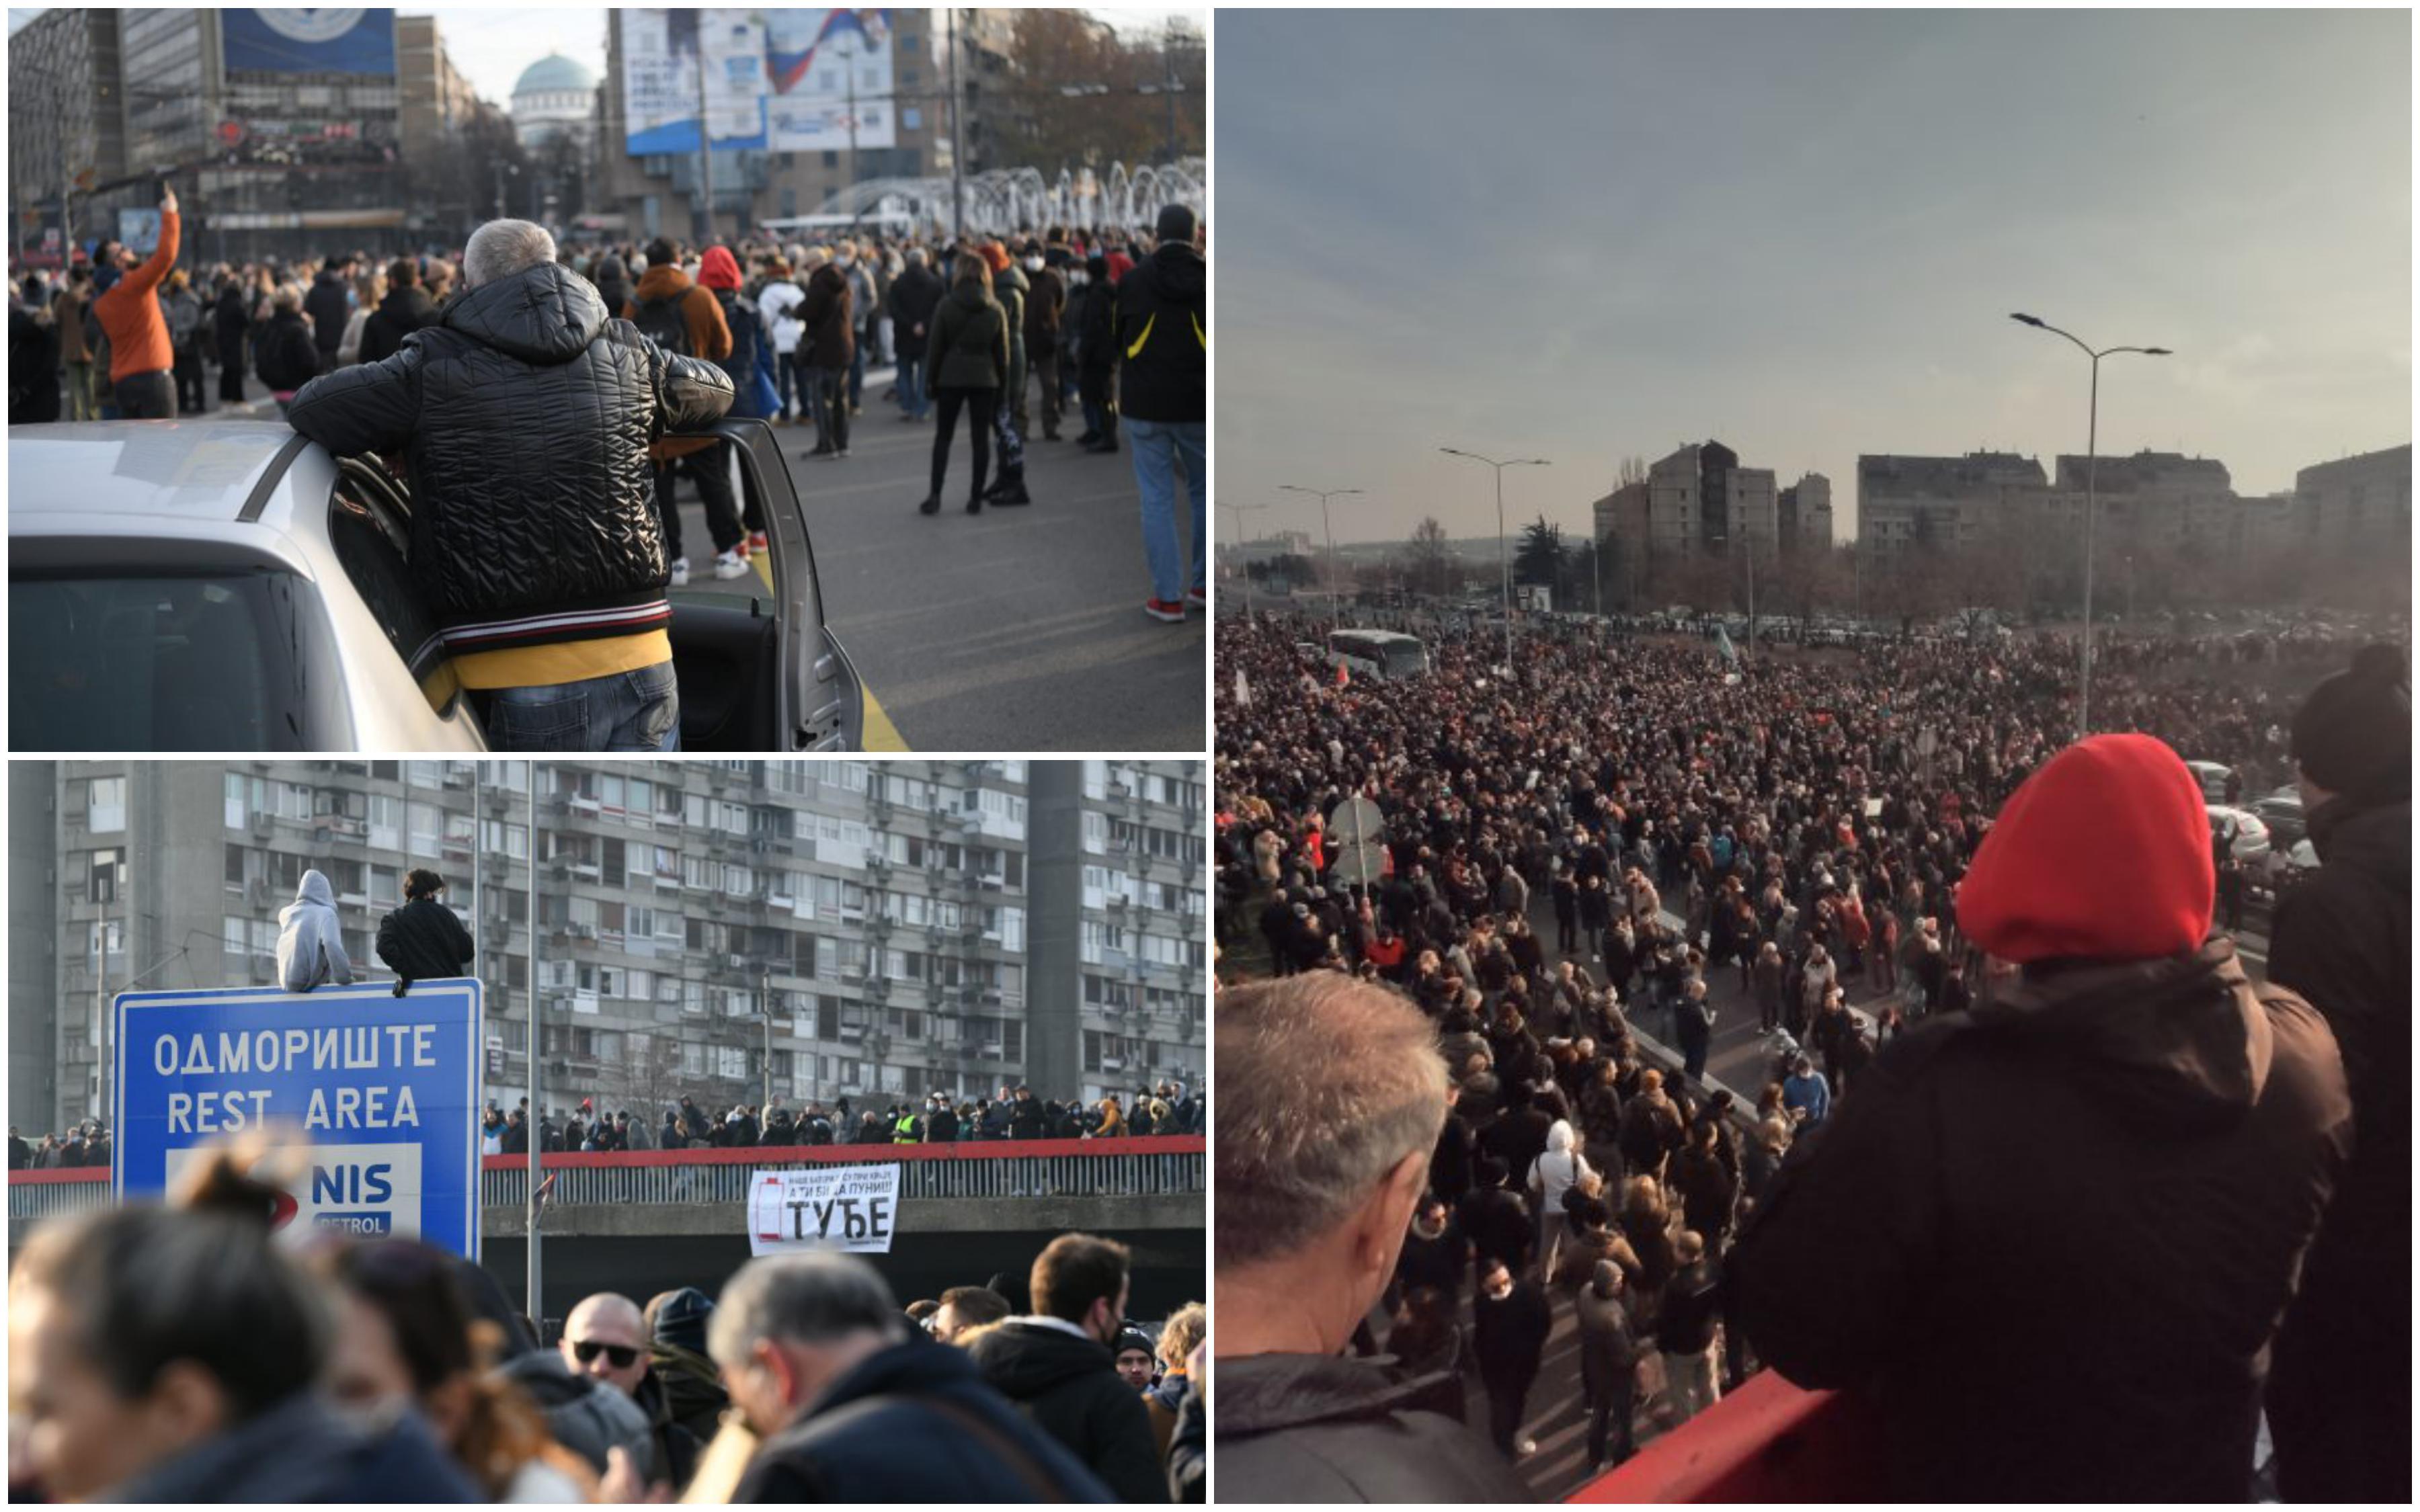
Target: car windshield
201, 662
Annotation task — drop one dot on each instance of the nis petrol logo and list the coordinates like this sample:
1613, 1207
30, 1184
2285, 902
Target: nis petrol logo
372, 1191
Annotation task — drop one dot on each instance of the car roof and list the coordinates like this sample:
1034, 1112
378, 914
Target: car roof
141, 468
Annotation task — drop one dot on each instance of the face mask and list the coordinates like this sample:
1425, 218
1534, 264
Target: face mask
1078, 279
1033, 265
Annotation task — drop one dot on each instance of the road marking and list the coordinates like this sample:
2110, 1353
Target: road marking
880, 734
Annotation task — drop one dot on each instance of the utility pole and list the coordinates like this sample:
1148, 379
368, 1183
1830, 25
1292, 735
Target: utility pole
766, 989
1167, 60
957, 148
537, 1108
1242, 545
705, 197
849, 63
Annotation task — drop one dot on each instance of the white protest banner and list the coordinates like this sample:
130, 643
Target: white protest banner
850, 1208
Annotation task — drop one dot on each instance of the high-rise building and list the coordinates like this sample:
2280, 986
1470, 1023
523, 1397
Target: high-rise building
66, 127
1939, 501
434, 100
878, 928
2357, 505
1804, 515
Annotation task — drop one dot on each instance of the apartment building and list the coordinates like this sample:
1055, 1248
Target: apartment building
723, 930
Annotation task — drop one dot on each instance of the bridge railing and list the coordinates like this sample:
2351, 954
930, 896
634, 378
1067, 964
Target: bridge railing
1767, 1442
979, 1170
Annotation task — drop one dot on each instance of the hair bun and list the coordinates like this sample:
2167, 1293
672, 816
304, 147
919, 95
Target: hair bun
2381, 665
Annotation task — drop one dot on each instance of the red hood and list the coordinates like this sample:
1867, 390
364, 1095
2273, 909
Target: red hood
2104, 854
717, 269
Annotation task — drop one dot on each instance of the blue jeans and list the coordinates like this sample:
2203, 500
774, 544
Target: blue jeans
856, 375
1157, 443
636, 710
913, 397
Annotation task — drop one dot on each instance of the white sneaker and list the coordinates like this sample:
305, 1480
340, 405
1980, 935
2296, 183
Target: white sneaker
680, 572
732, 564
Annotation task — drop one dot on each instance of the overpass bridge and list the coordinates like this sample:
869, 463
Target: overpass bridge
647, 1220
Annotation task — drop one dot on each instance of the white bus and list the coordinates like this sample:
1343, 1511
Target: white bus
1380, 654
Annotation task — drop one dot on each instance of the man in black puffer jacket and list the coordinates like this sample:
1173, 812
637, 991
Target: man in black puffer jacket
423, 939
1058, 1367
524, 416
406, 308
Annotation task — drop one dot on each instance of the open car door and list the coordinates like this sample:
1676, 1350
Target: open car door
758, 668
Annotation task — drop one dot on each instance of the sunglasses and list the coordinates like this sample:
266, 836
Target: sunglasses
622, 1355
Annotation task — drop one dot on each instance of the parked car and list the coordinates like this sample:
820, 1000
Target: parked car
2246, 835
2212, 778
234, 587
2283, 813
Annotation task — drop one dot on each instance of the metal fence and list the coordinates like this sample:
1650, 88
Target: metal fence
596, 1180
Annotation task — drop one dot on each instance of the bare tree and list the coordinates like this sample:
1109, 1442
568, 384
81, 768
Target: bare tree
1431, 557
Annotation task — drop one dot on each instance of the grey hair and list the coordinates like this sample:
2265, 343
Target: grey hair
503, 248
288, 297
915, 257
1331, 1081
806, 1299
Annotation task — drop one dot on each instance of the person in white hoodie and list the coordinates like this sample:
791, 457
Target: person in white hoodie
779, 303
310, 946
1551, 1175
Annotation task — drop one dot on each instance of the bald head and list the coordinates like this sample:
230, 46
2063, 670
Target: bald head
608, 1330
1331, 1083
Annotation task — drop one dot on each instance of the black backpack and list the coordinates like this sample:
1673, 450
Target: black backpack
662, 322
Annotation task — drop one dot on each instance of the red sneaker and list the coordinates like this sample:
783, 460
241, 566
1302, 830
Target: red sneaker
758, 544
1165, 612
1196, 599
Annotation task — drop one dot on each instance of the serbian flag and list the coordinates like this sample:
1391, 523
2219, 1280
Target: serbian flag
786, 63
1342, 677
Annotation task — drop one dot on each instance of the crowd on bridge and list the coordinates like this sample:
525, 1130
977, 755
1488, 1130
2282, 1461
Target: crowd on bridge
560, 360
1016, 1113
182, 1353
1914, 820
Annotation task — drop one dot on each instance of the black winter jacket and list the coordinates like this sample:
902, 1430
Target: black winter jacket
401, 313
1071, 1388
525, 415
915, 294
2343, 940
2079, 1209
967, 348
287, 360
1163, 338
330, 305
423, 940
914, 1424
830, 337
584, 1415
1297, 1429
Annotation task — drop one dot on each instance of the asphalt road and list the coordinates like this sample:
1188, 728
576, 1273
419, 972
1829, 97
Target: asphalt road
1017, 630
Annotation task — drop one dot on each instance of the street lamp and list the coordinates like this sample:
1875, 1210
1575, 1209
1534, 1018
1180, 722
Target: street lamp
1503, 552
2091, 495
1324, 495
1235, 512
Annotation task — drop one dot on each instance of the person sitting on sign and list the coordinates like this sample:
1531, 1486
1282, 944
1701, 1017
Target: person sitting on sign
423, 939
310, 947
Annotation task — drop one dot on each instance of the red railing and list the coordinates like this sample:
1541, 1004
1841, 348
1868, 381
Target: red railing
1767, 1442
978, 1170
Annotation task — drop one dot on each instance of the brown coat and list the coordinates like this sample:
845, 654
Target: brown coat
709, 336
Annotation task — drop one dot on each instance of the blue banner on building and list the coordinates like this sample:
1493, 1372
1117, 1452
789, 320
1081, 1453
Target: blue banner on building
311, 40
385, 1089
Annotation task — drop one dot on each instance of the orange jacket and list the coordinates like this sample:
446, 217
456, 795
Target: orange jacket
130, 312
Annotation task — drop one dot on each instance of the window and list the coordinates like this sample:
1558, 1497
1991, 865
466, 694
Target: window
367, 527
105, 805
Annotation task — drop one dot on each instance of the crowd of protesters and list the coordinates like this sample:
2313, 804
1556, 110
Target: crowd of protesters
1168, 1108
1111, 324
180, 1353
1911, 818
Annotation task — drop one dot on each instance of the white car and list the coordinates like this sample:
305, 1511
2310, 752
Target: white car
2246, 835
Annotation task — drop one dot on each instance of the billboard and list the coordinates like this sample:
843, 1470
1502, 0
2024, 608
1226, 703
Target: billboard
776, 81
310, 39
385, 1088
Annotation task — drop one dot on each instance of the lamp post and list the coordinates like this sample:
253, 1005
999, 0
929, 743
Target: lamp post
2091, 495
1324, 495
1503, 551
1236, 513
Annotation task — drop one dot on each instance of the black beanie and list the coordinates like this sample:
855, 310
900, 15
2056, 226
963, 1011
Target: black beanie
2353, 734
1176, 223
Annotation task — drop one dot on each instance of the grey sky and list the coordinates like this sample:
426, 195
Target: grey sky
1588, 236
492, 45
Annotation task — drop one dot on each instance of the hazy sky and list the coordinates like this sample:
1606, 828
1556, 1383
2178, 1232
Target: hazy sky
1585, 236
492, 45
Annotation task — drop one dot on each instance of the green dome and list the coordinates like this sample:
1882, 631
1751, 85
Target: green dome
554, 71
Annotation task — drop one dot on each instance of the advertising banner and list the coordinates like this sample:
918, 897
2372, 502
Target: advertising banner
777, 81
815, 58
309, 39
385, 1088
849, 1207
